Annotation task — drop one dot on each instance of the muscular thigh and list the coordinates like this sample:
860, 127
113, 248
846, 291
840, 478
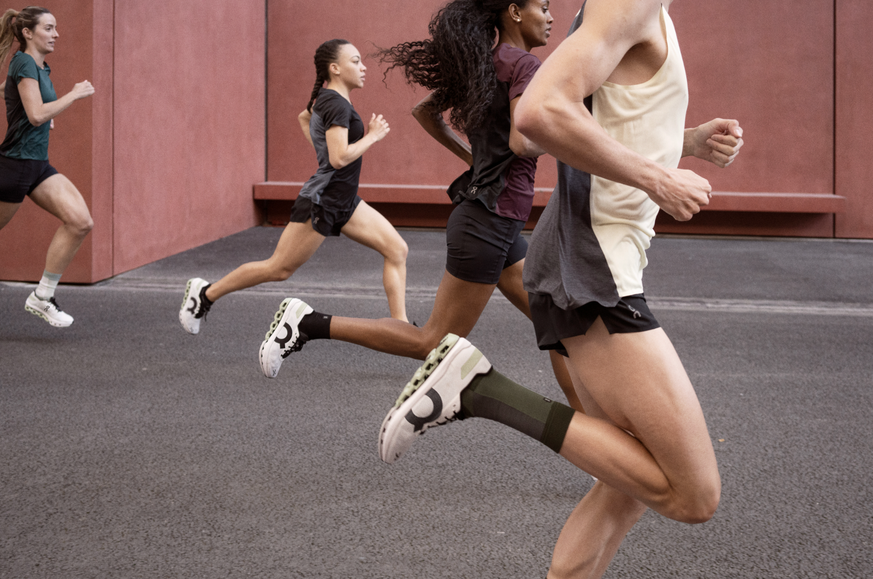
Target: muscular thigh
370, 228
59, 196
639, 383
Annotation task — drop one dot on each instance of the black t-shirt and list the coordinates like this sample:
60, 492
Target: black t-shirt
329, 187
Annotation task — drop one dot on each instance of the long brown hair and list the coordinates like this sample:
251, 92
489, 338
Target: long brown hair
11, 30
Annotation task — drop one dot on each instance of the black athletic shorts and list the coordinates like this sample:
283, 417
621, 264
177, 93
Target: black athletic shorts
327, 221
552, 324
19, 177
480, 244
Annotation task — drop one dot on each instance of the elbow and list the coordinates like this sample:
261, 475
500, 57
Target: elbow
527, 116
337, 163
37, 121
520, 147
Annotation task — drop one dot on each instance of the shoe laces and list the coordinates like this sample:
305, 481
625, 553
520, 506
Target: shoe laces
54, 302
296, 346
202, 305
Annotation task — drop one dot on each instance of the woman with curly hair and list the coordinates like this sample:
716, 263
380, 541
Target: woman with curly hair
328, 203
479, 81
31, 106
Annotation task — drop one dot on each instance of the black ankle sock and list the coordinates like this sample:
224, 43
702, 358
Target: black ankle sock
316, 326
206, 301
496, 397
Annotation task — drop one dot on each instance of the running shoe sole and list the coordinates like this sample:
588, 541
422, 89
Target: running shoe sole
42, 315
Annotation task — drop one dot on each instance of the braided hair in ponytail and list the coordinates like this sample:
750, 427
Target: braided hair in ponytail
325, 55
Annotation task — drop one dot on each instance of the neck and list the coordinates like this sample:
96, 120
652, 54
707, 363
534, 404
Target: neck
341, 88
513, 38
37, 55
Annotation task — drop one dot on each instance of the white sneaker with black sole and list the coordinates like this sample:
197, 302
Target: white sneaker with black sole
432, 397
49, 310
284, 336
194, 308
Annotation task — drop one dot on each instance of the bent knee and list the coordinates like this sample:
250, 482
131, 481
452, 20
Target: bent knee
397, 252
81, 225
701, 506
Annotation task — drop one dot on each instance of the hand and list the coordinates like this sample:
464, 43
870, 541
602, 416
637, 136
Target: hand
51, 124
717, 141
82, 90
378, 128
683, 194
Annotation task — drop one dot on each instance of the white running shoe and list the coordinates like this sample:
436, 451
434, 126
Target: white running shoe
432, 397
194, 308
274, 349
49, 310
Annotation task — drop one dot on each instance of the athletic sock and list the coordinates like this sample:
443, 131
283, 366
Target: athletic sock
315, 325
206, 301
496, 397
46, 288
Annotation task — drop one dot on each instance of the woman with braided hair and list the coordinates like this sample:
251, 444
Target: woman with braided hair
31, 106
328, 203
476, 64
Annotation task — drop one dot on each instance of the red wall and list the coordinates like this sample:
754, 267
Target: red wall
769, 64
854, 116
166, 151
407, 155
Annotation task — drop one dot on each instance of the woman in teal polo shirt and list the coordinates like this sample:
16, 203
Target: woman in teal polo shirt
31, 106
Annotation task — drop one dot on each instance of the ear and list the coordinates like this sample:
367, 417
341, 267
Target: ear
27, 33
334, 68
514, 13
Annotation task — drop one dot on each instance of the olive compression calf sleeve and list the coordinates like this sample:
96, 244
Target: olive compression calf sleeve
496, 397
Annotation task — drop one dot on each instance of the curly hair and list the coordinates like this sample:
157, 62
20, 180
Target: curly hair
13, 22
325, 55
455, 63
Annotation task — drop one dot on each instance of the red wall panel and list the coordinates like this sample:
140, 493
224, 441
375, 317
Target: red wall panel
768, 64
407, 155
854, 170
189, 122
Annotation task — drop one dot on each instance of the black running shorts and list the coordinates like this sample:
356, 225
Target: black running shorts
19, 177
327, 221
552, 324
480, 244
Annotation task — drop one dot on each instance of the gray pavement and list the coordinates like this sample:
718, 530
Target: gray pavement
131, 449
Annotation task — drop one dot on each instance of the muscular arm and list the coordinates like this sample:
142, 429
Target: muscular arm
552, 112
39, 112
518, 143
432, 121
342, 153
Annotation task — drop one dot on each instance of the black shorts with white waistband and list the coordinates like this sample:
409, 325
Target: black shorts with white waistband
480, 244
552, 324
19, 177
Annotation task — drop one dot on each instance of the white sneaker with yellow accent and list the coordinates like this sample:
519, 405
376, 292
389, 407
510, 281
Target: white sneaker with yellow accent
49, 310
432, 397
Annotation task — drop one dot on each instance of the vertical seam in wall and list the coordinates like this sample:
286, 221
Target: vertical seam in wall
266, 85
112, 143
834, 135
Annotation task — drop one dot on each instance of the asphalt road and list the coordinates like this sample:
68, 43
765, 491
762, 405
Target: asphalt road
130, 449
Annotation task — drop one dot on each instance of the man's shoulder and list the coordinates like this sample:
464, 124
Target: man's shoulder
628, 16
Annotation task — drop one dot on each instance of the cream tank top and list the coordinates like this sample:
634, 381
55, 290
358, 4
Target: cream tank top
648, 118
